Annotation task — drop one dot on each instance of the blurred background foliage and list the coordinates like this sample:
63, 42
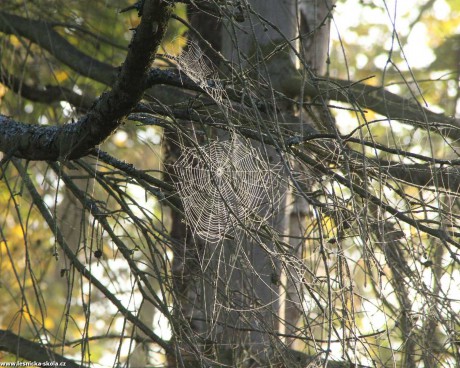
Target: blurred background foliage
412, 48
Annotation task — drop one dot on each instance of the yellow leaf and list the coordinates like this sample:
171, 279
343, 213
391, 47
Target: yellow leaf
3, 90
328, 225
61, 75
15, 41
49, 323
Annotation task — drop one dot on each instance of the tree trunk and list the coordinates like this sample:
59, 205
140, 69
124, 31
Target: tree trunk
234, 308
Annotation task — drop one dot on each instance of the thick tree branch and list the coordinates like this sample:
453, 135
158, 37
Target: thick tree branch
423, 175
291, 82
31, 351
75, 140
383, 102
377, 99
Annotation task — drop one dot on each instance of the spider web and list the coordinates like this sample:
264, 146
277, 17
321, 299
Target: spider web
226, 186
192, 61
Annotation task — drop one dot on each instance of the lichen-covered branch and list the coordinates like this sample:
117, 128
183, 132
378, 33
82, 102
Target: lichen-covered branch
75, 140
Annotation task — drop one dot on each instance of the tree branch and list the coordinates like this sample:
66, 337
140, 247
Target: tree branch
76, 140
377, 99
423, 175
46, 214
385, 103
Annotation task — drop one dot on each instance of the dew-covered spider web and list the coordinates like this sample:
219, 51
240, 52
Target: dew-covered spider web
226, 186
193, 63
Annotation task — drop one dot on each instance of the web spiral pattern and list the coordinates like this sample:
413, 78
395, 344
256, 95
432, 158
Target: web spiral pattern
222, 185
